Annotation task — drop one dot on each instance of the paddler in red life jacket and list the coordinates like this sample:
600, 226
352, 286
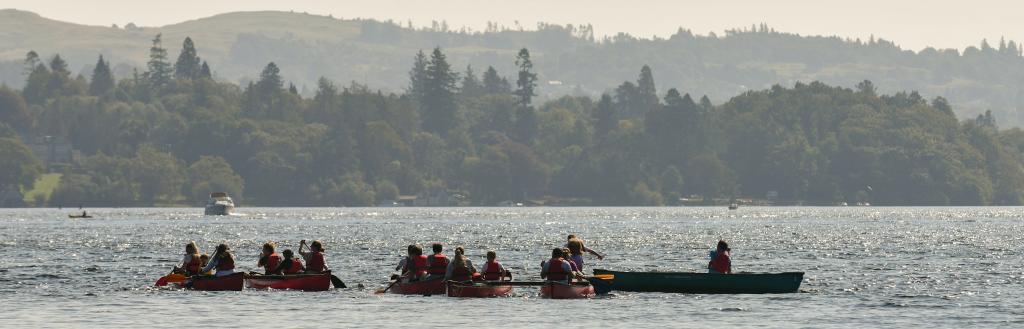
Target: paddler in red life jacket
721, 261
315, 262
414, 265
493, 271
437, 264
460, 269
289, 264
556, 269
191, 262
222, 260
269, 259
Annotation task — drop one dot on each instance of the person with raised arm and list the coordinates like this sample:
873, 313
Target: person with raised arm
315, 262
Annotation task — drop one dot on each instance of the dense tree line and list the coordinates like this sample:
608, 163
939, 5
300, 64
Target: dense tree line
171, 134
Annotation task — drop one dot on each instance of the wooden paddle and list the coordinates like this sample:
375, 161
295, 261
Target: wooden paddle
397, 279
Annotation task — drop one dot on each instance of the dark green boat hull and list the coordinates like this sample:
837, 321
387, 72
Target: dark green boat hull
706, 283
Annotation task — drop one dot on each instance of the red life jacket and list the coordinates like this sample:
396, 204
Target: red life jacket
293, 268
438, 264
272, 262
493, 271
316, 262
556, 272
417, 265
721, 263
226, 262
461, 273
194, 266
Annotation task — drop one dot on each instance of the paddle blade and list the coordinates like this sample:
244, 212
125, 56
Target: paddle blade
161, 282
605, 276
176, 278
338, 284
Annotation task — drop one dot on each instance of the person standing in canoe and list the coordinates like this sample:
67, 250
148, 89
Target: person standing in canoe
460, 269
437, 264
289, 264
414, 265
556, 269
721, 261
493, 271
222, 260
583, 248
269, 259
191, 262
315, 262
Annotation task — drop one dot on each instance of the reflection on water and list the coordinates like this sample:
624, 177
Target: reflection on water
951, 267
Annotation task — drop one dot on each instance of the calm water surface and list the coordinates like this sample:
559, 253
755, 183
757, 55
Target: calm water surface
865, 267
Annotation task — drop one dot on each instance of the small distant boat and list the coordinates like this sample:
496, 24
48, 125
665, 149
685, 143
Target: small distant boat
479, 289
432, 287
554, 290
233, 282
220, 204
734, 206
706, 283
83, 215
304, 282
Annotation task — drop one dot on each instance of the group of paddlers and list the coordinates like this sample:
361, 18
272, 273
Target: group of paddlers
566, 264
222, 263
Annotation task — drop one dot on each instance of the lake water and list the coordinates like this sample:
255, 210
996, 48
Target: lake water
865, 267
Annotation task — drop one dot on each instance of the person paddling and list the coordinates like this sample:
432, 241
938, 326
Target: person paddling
289, 264
269, 259
460, 269
493, 271
315, 262
556, 269
414, 265
437, 264
721, 259
191, 262
222, 260
205, 259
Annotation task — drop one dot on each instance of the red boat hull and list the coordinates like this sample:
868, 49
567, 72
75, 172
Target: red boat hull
233, 282
478, 290
562, 291
304, 282
432, 287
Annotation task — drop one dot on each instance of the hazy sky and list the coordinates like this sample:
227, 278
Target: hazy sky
911, 24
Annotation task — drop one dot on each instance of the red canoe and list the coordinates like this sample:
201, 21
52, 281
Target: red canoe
456, 289
564, 291
304, 282
233, 282
432, 287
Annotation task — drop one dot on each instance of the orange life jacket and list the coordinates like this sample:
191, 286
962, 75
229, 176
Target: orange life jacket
194, 266
316, 262
417, 265
721, 263
273, 260
556, 272
438, 264
492, 271
294, 267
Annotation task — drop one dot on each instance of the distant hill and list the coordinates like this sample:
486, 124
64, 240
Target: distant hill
568, 58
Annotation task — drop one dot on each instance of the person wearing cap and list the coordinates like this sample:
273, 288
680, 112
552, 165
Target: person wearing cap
315, 261
721, 262
222, 260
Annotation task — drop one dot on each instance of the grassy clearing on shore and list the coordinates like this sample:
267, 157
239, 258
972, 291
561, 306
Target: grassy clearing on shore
43, 188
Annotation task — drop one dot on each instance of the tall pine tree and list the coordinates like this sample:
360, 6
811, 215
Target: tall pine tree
646, 92
471, 86
527, 81
159, 73
188, 65
204, 71
494, 83
438, 101
102, 79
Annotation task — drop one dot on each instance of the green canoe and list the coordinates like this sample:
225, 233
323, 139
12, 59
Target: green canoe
705, 283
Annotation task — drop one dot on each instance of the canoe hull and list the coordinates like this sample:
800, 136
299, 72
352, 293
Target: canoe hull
706, 283
233, 282
304, 282
563, 291
432, 287
478, 290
